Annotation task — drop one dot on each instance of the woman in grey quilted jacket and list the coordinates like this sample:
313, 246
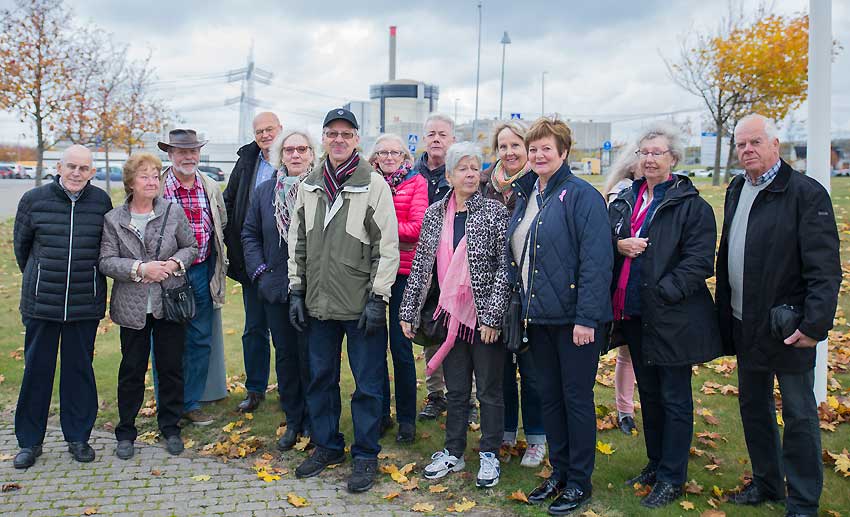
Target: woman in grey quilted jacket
131, 236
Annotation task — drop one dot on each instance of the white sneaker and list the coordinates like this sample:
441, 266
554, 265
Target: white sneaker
534, 454
442, 464
488, 472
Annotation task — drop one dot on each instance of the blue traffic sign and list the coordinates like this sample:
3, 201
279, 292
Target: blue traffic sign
516, 116
606, 145
412, 140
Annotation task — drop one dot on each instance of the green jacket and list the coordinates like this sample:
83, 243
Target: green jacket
341, 253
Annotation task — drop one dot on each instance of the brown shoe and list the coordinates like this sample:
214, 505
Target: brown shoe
198, 417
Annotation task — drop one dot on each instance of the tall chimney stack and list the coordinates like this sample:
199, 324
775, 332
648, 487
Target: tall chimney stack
392, 52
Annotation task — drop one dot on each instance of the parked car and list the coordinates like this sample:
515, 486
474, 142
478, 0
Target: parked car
27, 173
7, 171
115, 173
213, 172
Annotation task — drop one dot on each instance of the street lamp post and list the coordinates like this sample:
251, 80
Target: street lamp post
477, 75
456, 101
543, 93
506, 40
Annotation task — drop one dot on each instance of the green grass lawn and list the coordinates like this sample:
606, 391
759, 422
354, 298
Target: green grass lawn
611, 498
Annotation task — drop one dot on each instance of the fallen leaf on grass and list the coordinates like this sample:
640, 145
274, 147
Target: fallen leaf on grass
842, 462
437, 489
423, 507
520, 496
717, 491
17, 354
686, 505
712, 467
407, 469
189, 443
604, 448
399, 478
150, 437
6, 457
230, 332
156, 472
302, 444
267, 476
713, 513
201, 477
692, 487
387, 456
589, 513
248, 416
462, 506
392, 495
296, 500
544, 473
413, 484
833, 513
91, 510
642, 490
2, 378
474, 426
10, 487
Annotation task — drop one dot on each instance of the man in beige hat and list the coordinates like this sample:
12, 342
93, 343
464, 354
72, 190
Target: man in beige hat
201, 200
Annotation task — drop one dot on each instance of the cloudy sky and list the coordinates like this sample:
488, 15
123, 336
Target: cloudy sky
603, 59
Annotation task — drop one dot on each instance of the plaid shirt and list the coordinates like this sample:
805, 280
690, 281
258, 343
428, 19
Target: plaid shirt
197, 208
767, 176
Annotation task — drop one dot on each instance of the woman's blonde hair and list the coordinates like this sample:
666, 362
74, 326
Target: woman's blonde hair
624, 166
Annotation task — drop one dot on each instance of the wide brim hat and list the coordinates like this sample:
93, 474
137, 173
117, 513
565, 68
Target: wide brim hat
182, 139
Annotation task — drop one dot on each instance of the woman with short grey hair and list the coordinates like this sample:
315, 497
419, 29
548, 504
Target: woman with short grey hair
464, 236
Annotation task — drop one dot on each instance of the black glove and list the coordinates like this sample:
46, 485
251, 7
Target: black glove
297, 311
374, 316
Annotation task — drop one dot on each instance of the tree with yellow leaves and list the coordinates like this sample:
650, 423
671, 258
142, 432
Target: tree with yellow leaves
746, 66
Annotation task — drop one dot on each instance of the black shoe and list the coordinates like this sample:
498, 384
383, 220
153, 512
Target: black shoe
627, 425
251, 402
386, 424
362, 475
751, 495
548, 489
26, 457
174, 444
125, 449
569, 500
646, 477
663, 493
81, 451
796, 514
473, 414
318, 461
406, 433
434, 407
288, 440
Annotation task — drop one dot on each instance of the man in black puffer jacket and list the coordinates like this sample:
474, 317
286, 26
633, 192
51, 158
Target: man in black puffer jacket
252, 169
63, 295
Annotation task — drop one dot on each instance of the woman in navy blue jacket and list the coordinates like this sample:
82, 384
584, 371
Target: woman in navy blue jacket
558, 245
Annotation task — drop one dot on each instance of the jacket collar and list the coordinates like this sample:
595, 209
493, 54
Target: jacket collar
60, 190
779, 183
562, 175
249, 151
159, 206
475, 201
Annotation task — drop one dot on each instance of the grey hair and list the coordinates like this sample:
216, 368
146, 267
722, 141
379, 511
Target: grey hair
770, 128
459, 151
276, 150
668, 131
624, 166
441, 117
395, 138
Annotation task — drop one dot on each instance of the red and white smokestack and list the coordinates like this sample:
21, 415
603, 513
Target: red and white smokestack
392, 52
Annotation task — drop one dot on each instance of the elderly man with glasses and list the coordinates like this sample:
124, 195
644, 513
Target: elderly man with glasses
343, 259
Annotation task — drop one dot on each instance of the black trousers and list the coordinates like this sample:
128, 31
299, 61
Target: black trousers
795, 462
667, 406
566, 374
77, 388
168, 341
487, 362
292, 366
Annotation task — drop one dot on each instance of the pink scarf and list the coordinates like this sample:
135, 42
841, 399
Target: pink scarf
638, 216
456, 300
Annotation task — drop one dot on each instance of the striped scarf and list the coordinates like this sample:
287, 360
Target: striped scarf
335, 179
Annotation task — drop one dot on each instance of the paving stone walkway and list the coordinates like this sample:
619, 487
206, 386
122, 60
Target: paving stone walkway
57, 485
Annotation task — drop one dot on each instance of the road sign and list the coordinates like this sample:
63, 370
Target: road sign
412, 140
606, 145
516, 116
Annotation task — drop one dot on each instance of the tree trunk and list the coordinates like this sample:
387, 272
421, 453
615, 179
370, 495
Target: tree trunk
715, 176
39, 132
729, 158
108, 170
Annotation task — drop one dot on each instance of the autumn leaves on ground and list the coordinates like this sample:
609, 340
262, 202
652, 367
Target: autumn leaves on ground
718, 457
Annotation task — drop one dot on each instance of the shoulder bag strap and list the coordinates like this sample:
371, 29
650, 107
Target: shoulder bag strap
162, 231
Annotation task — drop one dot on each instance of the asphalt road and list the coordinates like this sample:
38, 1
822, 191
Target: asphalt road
11, 191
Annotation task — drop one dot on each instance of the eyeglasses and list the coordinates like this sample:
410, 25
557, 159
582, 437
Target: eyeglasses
74, 167
384, 154
302, 149
268, 130
654, 154
346, 135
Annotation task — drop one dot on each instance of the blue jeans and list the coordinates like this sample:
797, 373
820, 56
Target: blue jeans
255, 340
324, 339
532, 411
404, 367
196, 352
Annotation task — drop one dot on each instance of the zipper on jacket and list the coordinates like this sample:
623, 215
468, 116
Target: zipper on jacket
37, 279
70, 252
94, 280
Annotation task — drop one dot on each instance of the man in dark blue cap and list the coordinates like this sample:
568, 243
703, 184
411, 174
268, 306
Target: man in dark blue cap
343, 259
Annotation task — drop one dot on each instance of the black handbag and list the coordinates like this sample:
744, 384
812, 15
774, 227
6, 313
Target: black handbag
432, 331
514, 331
784, 320
178, 303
